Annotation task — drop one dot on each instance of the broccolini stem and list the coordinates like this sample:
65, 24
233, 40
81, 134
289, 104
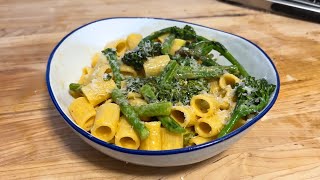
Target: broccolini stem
208, 61
201, 72
111, 56
75, 87
233, 60
155, 35
166, 46
169, 72
154, 109
171, 124
228, 127
130, 114
224, 52
166, 121
148, 93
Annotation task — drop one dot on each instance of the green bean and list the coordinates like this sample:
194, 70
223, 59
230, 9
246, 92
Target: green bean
166, 121
111, 56
169, 72
75, 87
148, 93
201, 72
154, 109
166, 46
170, 124
129, 112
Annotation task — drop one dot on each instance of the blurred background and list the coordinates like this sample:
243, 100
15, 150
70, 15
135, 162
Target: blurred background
302, 9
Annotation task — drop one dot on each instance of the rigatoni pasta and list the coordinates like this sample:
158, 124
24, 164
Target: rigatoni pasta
164, 91
126, 137
153, 142
204, 104
154, 66
98, 91
184, 115
170, 140
106, 121
82, 112
209, 126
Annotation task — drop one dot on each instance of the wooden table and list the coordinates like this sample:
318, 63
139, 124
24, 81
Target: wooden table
36, 143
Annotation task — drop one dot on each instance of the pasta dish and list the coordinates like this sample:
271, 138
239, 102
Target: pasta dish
165, 91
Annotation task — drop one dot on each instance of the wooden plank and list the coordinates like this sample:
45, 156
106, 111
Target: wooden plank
37, 144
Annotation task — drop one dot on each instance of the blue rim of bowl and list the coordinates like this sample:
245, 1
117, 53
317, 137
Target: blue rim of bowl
164, 152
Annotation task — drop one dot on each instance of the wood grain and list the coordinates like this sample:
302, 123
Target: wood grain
37, 144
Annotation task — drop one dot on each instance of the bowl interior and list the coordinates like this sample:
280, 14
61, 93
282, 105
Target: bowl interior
75, 51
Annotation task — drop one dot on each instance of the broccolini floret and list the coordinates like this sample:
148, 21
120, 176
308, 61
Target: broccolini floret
177, 90
252, 96
137, 57
181, 91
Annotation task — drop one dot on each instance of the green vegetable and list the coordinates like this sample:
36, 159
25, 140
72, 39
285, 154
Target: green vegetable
166, 46
186, 72
171, 125
107, 77
130, 114
111, 56
155, 35
208, 60
169, 73
252, 96
186, 33
148, 93
214, 45
167, 122
181, 90
200, 50
185, 61
137, 57
187, 136
154, 109
75, 87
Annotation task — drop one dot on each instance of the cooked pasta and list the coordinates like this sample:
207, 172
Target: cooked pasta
196, 140
184, 115
82, 112
133, 40
153, 142
98, 91
176, 45
119, 45
106, 121
126, 137
209, 126
170, 140
164, 91
204, 104
154, 66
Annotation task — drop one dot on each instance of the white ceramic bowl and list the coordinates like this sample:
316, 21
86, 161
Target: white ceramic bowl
75, 50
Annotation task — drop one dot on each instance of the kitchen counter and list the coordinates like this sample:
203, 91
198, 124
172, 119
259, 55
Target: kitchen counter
36, 143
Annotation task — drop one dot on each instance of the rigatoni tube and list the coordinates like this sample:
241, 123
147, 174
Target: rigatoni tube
170, 140
184, 115
204, 104
208, 126
106, 121
98, 90
82, 112
126, 137
153, 142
